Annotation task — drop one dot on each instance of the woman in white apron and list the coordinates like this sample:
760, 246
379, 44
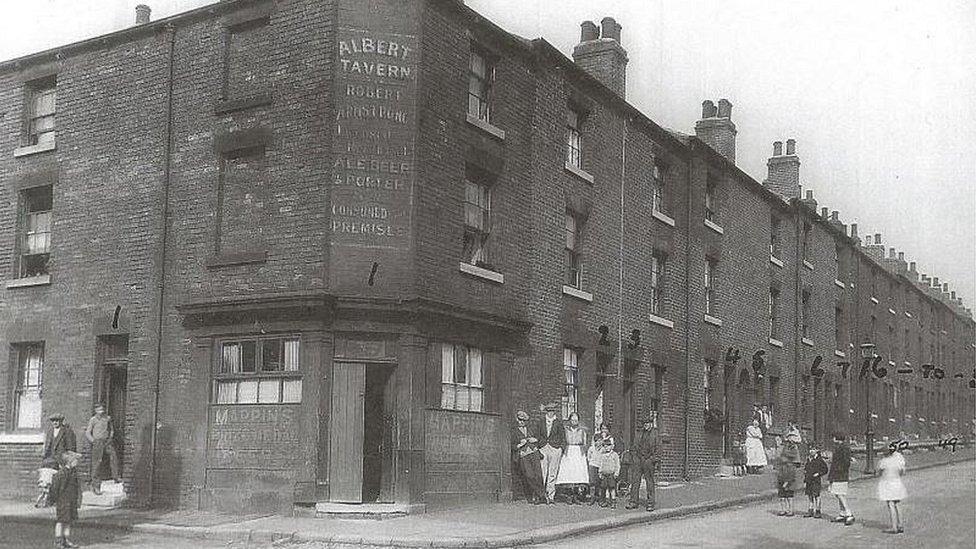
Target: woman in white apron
572, 467
755, 453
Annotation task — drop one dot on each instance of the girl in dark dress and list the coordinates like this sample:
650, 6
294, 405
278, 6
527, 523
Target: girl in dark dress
66, 495
813, 474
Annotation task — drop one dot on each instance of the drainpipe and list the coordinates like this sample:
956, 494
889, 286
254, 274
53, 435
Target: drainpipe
620, 259
797, 296
161, 264
687, 425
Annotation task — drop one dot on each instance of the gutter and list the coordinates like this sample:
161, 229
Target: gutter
161, 263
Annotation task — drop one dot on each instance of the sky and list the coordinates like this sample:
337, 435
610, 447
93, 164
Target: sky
880, 95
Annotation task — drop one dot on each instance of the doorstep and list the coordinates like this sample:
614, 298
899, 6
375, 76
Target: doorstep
367, 511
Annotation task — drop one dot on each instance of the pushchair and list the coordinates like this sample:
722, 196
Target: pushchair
45, 475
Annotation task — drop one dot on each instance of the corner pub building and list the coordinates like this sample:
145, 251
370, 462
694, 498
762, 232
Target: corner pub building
324, 250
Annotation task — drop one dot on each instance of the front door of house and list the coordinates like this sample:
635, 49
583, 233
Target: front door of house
346, 433
111, 382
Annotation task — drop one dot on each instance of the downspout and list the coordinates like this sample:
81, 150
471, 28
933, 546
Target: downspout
687, 388
620, 259
797, 295
161, 264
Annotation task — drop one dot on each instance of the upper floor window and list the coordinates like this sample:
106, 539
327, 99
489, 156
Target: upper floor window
27, 392
658, 188
41, 110
774, 229
263, 370
773, 311
805, 242
710, 187
805, 315
477, 223
35, 241
574, 146
658, 263
837, 263
480, 77
461, 378
248, 67
710, 265
574, 257
570, 398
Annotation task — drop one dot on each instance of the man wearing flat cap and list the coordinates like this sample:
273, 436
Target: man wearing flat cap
59, 438
646, 454
526, 457
552, 438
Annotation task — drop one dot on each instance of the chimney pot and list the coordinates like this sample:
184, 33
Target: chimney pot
777, 148
589, 31
823, 213
891, 252
809, 195
853, 230
142, 14
708, 109
877, 238
901, 256
867, 240
790, 146
912, 266
611, 29
724, 109
935, 282
835, 215
953, 294
945, 287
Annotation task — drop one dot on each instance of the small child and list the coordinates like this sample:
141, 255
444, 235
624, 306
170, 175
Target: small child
785, 479
609, 469
738, 458
45, 474
66, 495
813, 472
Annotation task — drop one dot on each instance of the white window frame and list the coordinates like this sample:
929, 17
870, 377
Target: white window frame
477, 223
571, 382
773, 311
659, 262
462, 385
657, 188
42, 113
710, 265
573, 243
481, 76
574, 137
710, 213
233, 385
28, 404
35, 237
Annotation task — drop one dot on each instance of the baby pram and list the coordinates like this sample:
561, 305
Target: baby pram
45, 475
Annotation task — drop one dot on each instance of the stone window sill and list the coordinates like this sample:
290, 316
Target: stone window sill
908, 314
807, 264
839, 284
480, 272
807, 341
579, 172
663, 217
891, 311
660, 321
22, 438
839, 354
775, 342
713, 321
577, 293
874, 300
226, 106
775, 261
234, 259
34, 149
41, 280
714, 226
486, 127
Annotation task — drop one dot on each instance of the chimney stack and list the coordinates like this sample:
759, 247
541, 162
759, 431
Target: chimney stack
784, 171
854, 232
602, 57
876, 249
142, 14
716, 129
810, 202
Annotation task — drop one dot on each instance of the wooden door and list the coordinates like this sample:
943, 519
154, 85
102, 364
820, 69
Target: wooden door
346, 433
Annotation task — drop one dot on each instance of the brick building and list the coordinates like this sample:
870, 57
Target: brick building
308, 251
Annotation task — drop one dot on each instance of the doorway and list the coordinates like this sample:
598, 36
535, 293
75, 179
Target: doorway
111, 382
361, 433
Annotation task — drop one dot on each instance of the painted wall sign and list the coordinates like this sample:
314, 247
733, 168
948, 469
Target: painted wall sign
454, 437
255, 437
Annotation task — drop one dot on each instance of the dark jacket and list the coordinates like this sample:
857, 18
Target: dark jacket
646, 447
65, 494
816, 466
840, 464
517, 436
556, 439
55, 446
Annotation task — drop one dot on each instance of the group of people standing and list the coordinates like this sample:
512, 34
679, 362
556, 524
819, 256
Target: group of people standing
551, 454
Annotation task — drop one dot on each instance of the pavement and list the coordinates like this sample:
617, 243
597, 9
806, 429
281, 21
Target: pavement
485, 525
939, 512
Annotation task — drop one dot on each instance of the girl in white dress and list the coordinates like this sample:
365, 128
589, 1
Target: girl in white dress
890, 488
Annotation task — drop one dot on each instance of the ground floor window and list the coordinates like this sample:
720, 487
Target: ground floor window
258, 371
27, 394
461, 378
570, 399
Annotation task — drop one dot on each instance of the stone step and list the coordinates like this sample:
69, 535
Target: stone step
366, 511
113, 494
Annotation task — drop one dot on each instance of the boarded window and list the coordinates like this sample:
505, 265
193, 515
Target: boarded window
248, 59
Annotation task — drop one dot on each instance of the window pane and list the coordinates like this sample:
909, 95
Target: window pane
248, 356
463, 398
570, 232
226, 392
460, 364
447, 396
291, 391
269, 391
247, 392
291, 355
272, 355
474, 362
447, 363
477, 400
29, 409
231, 358
478, 65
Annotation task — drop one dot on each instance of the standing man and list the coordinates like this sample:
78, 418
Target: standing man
552, 438
527, 458
58, 439
101, 435
646, 457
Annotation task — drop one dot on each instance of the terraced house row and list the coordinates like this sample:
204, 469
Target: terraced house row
324, 250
